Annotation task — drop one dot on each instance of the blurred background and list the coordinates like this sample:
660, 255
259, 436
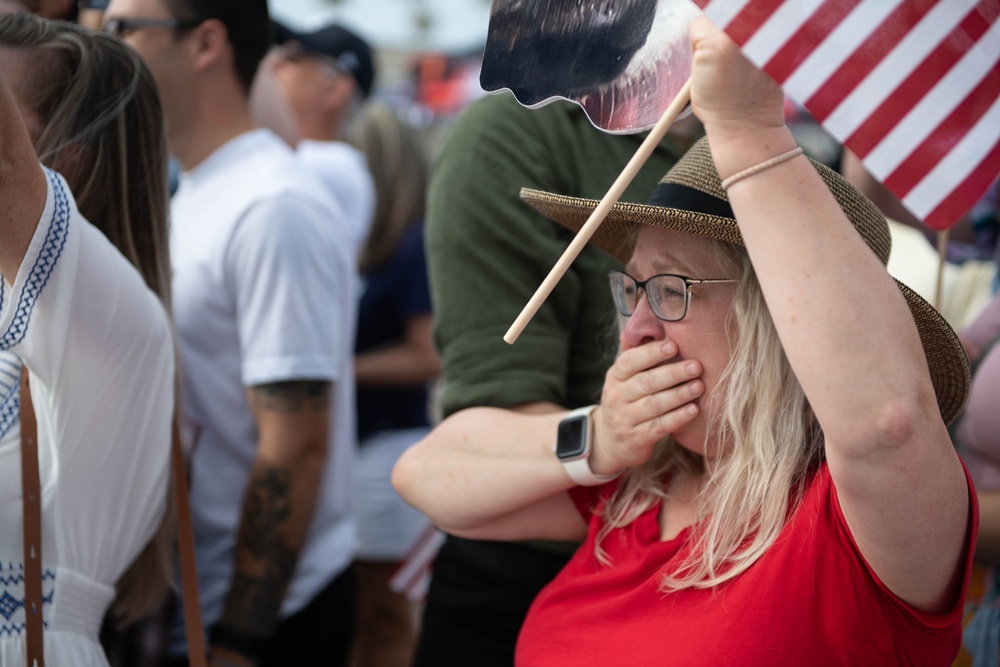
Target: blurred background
428, 52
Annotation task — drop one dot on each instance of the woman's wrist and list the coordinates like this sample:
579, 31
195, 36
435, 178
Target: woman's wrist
599, 462
739, 147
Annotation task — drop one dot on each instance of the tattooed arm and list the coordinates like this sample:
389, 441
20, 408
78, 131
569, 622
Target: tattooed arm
293, 423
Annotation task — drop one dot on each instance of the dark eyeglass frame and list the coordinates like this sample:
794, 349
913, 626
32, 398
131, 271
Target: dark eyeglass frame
653, 303
120, 27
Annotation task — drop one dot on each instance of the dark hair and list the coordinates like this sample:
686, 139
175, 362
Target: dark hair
247, 24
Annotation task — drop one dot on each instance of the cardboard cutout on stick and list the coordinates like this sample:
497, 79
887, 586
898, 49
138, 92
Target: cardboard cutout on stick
623, 61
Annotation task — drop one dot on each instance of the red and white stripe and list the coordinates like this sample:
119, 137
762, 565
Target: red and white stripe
910, 86
413, 576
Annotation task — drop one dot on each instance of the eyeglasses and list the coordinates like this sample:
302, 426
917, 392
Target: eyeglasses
669, 295
123, 27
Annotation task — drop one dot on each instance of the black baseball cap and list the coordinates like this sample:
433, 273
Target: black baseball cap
351, 53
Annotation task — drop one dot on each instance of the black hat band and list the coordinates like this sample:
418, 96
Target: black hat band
674, 195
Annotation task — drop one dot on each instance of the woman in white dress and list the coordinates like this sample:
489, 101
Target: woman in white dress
91, 330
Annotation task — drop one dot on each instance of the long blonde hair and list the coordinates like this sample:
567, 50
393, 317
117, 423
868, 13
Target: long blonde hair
399, 167
769, 444
103, 131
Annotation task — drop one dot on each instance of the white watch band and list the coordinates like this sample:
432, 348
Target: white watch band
579, 469
580, 472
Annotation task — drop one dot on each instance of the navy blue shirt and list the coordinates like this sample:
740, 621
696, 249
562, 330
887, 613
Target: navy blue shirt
394, 293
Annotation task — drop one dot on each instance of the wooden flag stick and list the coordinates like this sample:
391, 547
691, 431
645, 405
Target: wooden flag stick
942, 244
597, 217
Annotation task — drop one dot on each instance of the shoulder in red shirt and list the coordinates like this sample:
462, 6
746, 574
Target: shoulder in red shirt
810, 600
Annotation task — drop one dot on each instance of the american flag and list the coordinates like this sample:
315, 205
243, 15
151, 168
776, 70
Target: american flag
912, 87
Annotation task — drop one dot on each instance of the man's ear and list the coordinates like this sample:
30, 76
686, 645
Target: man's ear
209, 45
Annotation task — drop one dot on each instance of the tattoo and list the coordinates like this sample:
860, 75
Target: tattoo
254, 599
296, 396
253, 603
266, 510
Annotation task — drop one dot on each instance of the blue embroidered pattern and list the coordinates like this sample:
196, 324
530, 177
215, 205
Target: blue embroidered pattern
48, 256
10, 394
12, 597
12, 575
9, 604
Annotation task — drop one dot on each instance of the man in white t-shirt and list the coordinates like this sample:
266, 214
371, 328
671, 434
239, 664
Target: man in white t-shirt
263, 295
307, 90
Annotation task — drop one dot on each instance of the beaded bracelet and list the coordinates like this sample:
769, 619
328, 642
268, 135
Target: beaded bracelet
757, 168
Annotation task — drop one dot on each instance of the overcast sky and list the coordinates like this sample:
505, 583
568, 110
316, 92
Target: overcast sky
455, 25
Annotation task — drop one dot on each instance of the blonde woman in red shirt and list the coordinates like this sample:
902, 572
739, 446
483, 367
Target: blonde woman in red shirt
768, 479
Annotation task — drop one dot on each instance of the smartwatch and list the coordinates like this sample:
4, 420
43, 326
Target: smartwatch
573, 447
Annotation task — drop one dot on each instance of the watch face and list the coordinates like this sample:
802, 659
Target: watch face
571, 441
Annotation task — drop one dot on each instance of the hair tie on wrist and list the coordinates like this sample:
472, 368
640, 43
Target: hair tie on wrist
757, 168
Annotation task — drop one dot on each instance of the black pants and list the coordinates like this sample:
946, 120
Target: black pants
479, 595
318, 634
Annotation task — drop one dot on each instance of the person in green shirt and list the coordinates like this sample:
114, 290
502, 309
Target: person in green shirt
488, 251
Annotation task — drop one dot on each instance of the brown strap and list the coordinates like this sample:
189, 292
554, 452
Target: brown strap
31, 492
32, 496
185, 546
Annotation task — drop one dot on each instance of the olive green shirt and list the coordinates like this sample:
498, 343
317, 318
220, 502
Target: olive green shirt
488, 252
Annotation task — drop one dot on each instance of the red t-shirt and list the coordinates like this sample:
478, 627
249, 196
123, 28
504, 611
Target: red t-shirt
810, 600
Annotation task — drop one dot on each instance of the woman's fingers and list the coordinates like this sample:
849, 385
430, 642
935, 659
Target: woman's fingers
659, 378
645, 397
615, 449
664, 402
644, 370
727, 90
641, 358
666, 423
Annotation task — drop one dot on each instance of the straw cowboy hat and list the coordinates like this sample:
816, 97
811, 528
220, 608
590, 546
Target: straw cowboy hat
690, 199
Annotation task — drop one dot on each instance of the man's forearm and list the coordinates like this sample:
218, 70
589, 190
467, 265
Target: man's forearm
278, 505
265, 553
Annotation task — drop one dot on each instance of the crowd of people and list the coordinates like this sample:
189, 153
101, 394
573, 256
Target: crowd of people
723, 439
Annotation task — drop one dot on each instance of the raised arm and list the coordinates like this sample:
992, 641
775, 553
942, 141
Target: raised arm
22, 186
848, 334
